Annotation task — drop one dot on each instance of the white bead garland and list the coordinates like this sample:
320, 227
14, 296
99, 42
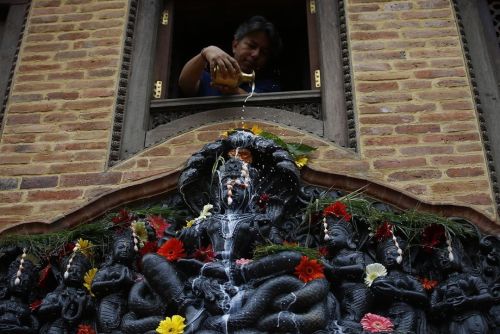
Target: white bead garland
135, 237
450, 249
399, 259
19, 272
325, 226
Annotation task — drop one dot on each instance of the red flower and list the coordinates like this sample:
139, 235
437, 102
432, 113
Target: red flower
262, 202
309, 270
374, 323
432, 236
85, 329
384, 232
44, 275
149, 247
35, 304
205, 254
122, 217
160, 224
323, 251
428, 284
337, 209
172, 250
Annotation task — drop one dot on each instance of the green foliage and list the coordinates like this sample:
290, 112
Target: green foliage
296, 150
264, 250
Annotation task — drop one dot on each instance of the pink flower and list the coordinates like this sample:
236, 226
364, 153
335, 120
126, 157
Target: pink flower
374, 323
242, 261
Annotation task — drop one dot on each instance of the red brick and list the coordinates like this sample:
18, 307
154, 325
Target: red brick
38, 128
54, 137
457, 160
30, 148
31, 77
60, 117
390, 140
450, 83
432, 74
432, 4
91, 115
465, 172
425, 150
416, 189
413, 175
443, 43
57, 207
65, 55
16, 209
111, 15
379, 152
74, 2
26, 97
459, 127
378, 55
457, 105
85, 126
90, 155
451, 94
398, 6
99, 73
377, 130
386, 97
107, 33
386, 119
66, 75
72, 36
414, 84
367, 46
92, 63
43, 28
469, 147
102, 6
409, 64
38, 68
23, 119
363, 27
47, 3
134, 176
87, 104
429, 33
15, 159
399, 163
86, 135
17, 139
81, 146
104, 51
39, 182
94, 25
39, 38
10, 197
90, 44
431, 14
447, 116
8, 183
76, 167
364, 8
52, 157
36, 86
96, 192
208, 136
53, 195
90, 93
376, 86
418, 128
372, 67
157, 151
410, 107
55, 10
475, 199
76, 17
447, 63
44, 19
455, 186
404, 44
89, 179
23, 170
62, 96
375, 109
373, 16
450, 138
436, 53
46, 47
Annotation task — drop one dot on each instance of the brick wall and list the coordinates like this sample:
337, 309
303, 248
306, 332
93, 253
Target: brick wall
416, 120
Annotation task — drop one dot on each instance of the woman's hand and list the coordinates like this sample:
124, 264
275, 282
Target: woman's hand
216, 57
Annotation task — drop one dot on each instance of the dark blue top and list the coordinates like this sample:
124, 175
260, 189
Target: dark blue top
263, 85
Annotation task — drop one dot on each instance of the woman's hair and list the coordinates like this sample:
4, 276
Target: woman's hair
260, 23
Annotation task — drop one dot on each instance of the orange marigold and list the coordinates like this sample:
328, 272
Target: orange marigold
428, 284
309, 270
85, 329
172, 250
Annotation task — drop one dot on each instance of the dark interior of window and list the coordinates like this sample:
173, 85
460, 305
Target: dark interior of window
199, 23
4, 10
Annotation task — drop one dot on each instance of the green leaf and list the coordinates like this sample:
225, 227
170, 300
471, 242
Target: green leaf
298, 149
277, 140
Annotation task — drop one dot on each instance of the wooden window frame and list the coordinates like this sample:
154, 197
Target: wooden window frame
9, 45
138, 103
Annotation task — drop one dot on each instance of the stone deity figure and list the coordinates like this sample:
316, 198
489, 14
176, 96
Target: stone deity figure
70, 303
15, 314
400, 294
112, 283
462, 297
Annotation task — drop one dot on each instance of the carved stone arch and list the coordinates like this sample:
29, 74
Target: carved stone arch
249, 114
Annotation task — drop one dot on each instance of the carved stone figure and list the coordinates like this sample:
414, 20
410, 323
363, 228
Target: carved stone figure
64, 308
15, 314
112, 283
463, 298
399, 295
256, 296
346, 270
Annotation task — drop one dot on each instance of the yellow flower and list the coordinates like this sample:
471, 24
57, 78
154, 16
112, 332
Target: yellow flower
189, 223
173, 325
256, 130
301, 161
225, 134
88, 278
373, 271
84, 246
140, 231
